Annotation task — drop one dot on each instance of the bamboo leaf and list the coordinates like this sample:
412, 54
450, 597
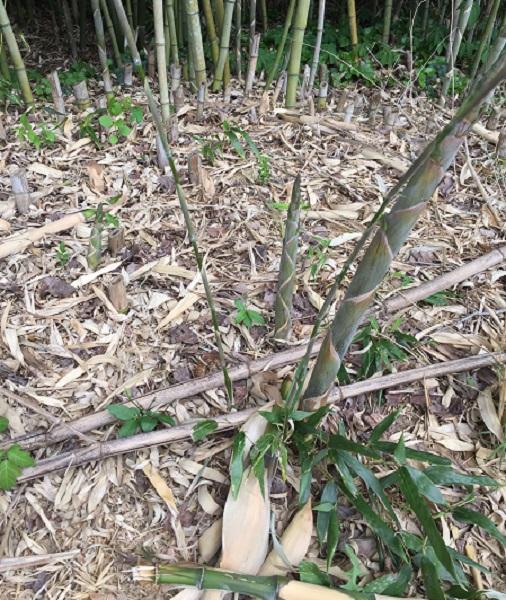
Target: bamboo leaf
466, 515
431, 580
202, 429
419, 507
389, 448
448, 476
236, 463
425, 486
332, 537
339, 442
4, 424
311, 573
400, 585
328, 498
383, 426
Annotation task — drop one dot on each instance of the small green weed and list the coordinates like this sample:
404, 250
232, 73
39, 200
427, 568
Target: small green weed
203, 428
318, 255
62, 254
39, 135
234, 135
211, 147
12, 461
137, 419
118, 120
442, 298
247, 316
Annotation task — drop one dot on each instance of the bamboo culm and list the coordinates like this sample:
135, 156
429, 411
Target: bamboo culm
224, 44
161, 59
299, 27
318, 43
393, 230
287, 269
102, 52
281, 44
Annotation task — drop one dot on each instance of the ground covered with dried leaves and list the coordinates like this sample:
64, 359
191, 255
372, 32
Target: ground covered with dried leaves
66, 351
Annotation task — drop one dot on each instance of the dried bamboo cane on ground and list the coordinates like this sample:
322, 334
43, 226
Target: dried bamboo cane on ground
37, 560
164, 396
103, 450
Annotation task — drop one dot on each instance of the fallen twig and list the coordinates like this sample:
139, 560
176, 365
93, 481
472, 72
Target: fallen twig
36, 560
162, 397
103, 450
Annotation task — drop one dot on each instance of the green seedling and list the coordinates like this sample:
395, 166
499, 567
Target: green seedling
318, 255
117, 120
39, 135
203, 428
12, 461
137, 419
442, 298
247, 316
62, 254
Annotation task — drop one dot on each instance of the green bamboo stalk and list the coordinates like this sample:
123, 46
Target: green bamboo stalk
112, 33
69, 26
425, 21
352, 19
174, 51
102, 51
160, 60
287, 269
166, 33
224, 44
220, 13
141, 22
15, 54
498, 45
162, 132
252, 20
454, 48
485, 38
130, 14
318, 43
393, 230
263, 12
82, 24
211, 31
94, 254
299, 27
281, 44
197, 46
238, 33
387, 21
4, 62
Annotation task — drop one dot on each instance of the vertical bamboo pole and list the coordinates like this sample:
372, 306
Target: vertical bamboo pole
299, 27
352, 18
112, 33
174, 51
281, 44
4, 62
426, 13
102, 51
238, 33
197, 46
17, 60
141, 23
263, 12
166, 33
211, 31
463, 18
318, 43
69, 25
83, 5
252, 20
485, 38
160, 60
387, 20
224, 44
130, 14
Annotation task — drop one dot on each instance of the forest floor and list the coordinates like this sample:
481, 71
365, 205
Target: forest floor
65, 351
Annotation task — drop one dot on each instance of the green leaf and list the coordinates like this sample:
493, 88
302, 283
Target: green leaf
431, 580
324, 506
311, 573
113, 139
203, 429
380, 584
148, 423
112, 220
448, 476
21, 458
355, 572
106, 121
425, 486
89, 213
328, 497
136, 115
466, 515
166, 419
123, 128
381, 427
4, 424
128, 428
400, 451
306, 472
389, 448
332, 537
339, 442
419, 507
400, 585
9, 473
236, 462
259, 471
123, 412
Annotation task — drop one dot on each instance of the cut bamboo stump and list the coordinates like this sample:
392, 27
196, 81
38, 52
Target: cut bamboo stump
58, 101
82, 96
195, 168
151, 64
21, 191
117, 294
3, 133
116, 241
252, 65
501, 144
128, 74
201, 98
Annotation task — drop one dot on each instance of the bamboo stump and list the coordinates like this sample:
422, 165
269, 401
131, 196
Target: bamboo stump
116, 241
58, 101
252, 65
128, 73
21, 191
81, 94
117, 294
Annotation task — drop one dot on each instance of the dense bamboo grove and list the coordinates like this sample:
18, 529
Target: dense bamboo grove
214, 39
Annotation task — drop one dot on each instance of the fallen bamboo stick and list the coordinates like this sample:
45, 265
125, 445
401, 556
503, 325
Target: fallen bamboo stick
103, 450
165, 396
36, 560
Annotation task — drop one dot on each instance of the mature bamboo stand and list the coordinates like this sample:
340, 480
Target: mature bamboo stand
162, 133
485, 38
393, 230
456, 41
317, 45
195, 41
102, 52
17, 60
211, 31
281, 44
299, 27
224, 44
352, 19
498, 46
161, 59
287, 273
